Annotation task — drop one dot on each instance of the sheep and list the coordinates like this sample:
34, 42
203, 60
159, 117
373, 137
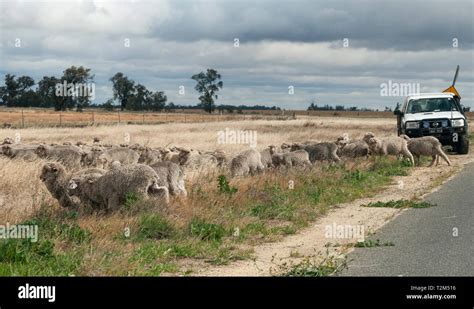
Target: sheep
426, 146
319, 151
77, 182
247, 162
221, 157
91, 156
70, 156
7, 141
149, 155
123, 155
393, 145
111, 190
290, 159
55, 178
20, 151
266, 157
171, 175
193, 159
170, 155
351, 149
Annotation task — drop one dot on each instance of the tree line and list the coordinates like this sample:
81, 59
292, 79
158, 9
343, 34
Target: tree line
327, 107
128, 94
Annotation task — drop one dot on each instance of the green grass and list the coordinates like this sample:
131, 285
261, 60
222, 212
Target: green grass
373, 243
155, 226
312, 267
401, 204
22, 257
206, 231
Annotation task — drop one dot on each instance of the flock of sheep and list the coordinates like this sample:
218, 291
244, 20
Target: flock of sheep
102, 176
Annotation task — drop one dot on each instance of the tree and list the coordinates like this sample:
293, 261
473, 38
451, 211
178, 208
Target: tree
78, 76
158, 101
17, 91
46, 92
312, 106
140, 98
123, 89
108, 105
208, 84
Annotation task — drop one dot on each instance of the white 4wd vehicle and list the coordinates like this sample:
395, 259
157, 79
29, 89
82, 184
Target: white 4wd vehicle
435, 114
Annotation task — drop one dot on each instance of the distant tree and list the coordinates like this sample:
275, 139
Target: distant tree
77, 76
123, 89
17, 92
208, 84
158, 101
46, 92
140, 99
388, 109
340, 107
109, 105
312, 106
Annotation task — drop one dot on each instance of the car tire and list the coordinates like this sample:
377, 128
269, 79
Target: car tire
463, 146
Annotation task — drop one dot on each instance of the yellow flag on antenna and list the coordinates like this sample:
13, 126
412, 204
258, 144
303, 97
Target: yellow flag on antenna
453, 91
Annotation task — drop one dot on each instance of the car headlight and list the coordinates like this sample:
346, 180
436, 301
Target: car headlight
412, 125
457, 122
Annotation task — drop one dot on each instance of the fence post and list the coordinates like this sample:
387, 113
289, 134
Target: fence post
118, 117
22, 119
60, 118
143, 119
93, 118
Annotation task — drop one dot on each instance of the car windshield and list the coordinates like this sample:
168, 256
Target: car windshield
431, 105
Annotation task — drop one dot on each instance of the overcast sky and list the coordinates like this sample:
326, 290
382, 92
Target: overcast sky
281, 44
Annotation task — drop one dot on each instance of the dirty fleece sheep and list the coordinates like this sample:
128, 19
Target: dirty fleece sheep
77, 182
171, 176
351, 149
70, 156
426, 146
266, 156
123, 155
110, 191
290, 159
319, 151
247, 162
56, 180
148, 155
392, 145
26, 152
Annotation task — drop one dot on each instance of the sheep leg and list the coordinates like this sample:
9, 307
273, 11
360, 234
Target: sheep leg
434, 157
444, 156
408, 154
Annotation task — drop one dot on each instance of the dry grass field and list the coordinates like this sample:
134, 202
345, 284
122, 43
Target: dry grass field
199, 229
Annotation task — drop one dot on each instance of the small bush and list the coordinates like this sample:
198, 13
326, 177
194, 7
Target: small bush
223, 185
206, 231
155, 226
